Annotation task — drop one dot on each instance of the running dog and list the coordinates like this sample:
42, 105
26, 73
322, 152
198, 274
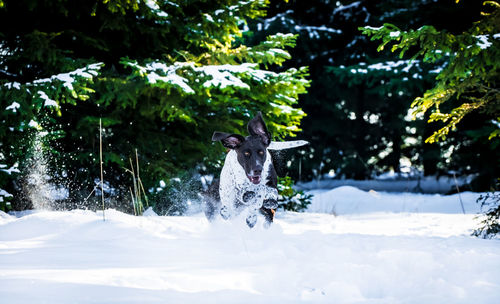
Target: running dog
248, 180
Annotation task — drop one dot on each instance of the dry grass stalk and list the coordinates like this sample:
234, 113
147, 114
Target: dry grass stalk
138, 193
102, 174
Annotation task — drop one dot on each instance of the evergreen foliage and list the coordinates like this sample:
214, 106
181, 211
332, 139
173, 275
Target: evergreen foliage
358, 99
470, 74
491, 221
358, 121
467, 82
162, 76
291, 199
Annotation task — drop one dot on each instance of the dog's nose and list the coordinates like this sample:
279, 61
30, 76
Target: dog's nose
257, 172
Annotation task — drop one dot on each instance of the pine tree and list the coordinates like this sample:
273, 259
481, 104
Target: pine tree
358, 120
161, 75
465, 96
470, 73
358, 99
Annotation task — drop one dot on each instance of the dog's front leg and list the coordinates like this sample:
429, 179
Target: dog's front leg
252, 200
269, 205
251, 217
271, 198
262, 198
228, 205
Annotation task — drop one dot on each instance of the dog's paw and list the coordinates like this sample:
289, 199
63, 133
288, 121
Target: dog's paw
251, 220
270, 204
267, 224
247, 196
224, 212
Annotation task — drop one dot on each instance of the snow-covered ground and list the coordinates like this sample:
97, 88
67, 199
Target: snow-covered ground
380, 248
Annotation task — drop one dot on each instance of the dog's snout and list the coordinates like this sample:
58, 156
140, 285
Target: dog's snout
257, 172
257, 169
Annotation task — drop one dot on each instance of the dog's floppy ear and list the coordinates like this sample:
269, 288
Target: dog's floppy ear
231, 141
257, 126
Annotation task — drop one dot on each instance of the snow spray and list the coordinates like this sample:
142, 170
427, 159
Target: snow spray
38, 188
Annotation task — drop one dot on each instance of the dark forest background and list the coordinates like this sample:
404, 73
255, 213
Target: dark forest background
161, 76
357, 106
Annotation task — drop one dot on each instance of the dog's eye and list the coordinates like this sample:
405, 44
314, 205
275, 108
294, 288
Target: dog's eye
261, 152
247, 153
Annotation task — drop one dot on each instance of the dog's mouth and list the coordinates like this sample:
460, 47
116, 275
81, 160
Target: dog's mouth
255, 179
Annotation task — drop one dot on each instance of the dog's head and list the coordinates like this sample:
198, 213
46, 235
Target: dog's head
251, 150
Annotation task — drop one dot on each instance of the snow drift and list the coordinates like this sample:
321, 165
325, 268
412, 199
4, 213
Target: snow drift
350, 200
